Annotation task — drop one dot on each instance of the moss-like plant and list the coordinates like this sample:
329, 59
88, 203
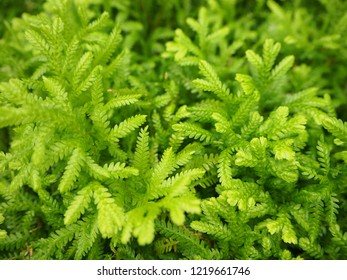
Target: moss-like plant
131, 136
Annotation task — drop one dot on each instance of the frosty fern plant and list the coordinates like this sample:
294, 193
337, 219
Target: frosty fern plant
211, 152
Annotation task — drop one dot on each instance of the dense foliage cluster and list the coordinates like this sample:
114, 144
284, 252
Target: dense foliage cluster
149, 129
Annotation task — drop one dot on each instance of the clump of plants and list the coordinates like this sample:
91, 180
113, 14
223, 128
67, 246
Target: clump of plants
174, 130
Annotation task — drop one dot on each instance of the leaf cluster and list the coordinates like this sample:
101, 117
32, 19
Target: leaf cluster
176, 134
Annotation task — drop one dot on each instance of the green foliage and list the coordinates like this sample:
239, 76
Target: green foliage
174, 131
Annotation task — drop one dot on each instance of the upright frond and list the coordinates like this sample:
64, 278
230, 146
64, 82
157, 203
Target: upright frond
142, 156
211, 82
72, 170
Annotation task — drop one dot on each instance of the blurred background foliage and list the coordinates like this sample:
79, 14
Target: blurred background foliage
314, 31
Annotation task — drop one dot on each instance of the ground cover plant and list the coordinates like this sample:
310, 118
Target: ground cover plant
172, 129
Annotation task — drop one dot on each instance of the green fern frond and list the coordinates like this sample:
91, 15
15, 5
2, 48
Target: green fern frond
78, 205
282, 226
98, 24
313, 249
247, 83
225, 172
119, 170
282, 68
47, 248
245, 108
110, 217
203, 111
140, 223
332, 206
165, 245
189, 245
20, 179
84, 63
336, 127
15, 93
110, 46
142, 156
182, 46
122, 100
56, 89
89, 80
255, 120
178, 184
164, 168
211, 82
10, 116
323, 155
72, 171
12, 241
127, 126
85, 237
38, 41
194, 131
71, 53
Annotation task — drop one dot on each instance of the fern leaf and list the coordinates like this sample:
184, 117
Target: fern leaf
15, 92
177, 206
336, 127
203, 111
122, 100
110, 217
58, 151
332, 206
142, 156
85, 237
222, 124
224, 169
81, 68
256, 61
178, 184
119, 170
110, 46
72, 171
312, 248
47, 248
270, 52
78, 205
282, 67
71, 53
164, 168
55, 88
255, 120
183, 45
212, 82
190, 245
217, 230
38, 41
194, 131
19, 180
244, 110
101, 121
323, 155
247, 83
10, 116
89, 80
126, 127
98, 23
